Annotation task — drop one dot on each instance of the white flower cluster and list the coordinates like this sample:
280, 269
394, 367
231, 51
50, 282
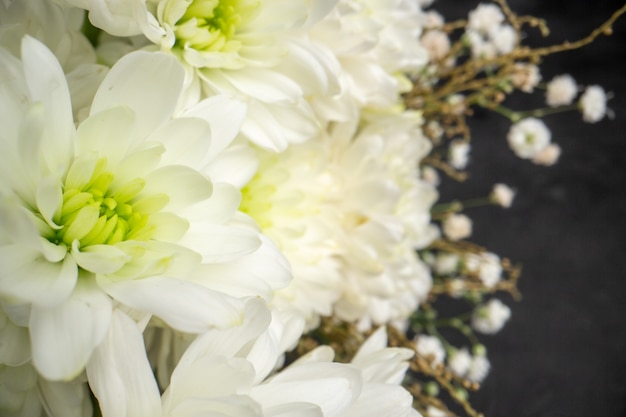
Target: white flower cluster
180, 202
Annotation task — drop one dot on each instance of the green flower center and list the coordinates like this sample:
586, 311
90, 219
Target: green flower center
95, 212
210, 25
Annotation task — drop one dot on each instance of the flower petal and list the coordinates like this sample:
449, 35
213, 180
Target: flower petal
183, 305
99, 259
219, 243
147, 82
168, 180
64, 337
119, 373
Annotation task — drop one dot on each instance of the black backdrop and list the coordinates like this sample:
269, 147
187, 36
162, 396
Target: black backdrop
563, 353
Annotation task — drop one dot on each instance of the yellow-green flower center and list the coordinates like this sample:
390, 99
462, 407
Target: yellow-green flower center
95, 212
210, 25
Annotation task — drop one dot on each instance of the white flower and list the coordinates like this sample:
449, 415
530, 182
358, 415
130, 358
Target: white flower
256, 50
482, 47
525, 77
503, 38
491, 317
548, 156
430, 347
60, 30
348, 210
446, 263
437, 43
487, 265
485, 17
374, 42
95, 214
459, 361
432, 411
222, 372
529, 137
478, 369
593, 104
430, 176
458, 154
457, 227
502, 195
561, 91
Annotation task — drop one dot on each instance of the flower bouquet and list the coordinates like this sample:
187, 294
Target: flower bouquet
230, 207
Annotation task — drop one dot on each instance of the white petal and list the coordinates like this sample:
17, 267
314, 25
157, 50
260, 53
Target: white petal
120, 375
149, 83
183, 305
222, 205
47, 84
219, 243
99, 259
264, 85
50, 199
14, 342
236, 165
225, 115
64, 337
186, 141
108, 133
41, 282
170, 180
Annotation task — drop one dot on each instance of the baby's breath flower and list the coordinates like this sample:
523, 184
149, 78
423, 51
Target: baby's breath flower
485, 17
525, 77
458, 154
548, 156
502, 195
593, 104
529, 137
561, 91
491, 317
457, 227
430, 347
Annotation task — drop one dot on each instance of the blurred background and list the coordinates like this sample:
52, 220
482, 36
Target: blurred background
563, 353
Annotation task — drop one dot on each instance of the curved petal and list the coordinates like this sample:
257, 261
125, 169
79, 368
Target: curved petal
108, 132
99, 259
219, 243
64, 337
40, 282
168, 180
183, 305
147, 82
119, 373
67, 399
47, 84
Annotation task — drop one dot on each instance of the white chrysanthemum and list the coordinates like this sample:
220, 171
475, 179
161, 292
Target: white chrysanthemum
491, 317
430, 347
60, 30
224, 372
255, 49
95, 214
561, 91
529, 137
374, 41
593, 104
348, 210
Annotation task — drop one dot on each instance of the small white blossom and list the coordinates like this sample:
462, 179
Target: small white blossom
487, 265
593, 104
437, 43
479, 368
459, 361
491, 317
446, 263
485, 17
503, 38
526, 77
481, 47
434, 20
528, 137
430, 346
457, 227
458, 154
502, 195
561, 91
548, 156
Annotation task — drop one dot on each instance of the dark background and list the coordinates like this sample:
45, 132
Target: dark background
563, 353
